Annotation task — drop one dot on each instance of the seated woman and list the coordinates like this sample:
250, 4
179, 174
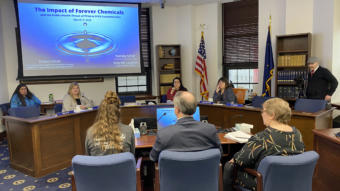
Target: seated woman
107, 136
277, 139
224, 93
74, 98
176, 86
23, 97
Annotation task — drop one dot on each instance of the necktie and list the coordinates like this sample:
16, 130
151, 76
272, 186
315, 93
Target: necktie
311, 73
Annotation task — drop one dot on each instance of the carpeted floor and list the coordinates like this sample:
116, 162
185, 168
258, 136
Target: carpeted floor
13, 180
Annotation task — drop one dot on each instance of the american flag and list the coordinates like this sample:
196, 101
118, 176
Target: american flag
201, 69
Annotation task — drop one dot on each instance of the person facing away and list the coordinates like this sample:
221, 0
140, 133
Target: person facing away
224, 92
187, 134
23, 97
277, 139
321, 82
108, 136
176, 86
74, 98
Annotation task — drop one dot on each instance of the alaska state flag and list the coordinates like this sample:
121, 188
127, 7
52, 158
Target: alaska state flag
268, 67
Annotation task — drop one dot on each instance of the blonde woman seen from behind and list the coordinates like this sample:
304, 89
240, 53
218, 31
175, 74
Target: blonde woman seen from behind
74, 97
107, 135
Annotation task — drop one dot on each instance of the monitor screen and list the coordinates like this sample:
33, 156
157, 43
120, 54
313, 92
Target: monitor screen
166, 116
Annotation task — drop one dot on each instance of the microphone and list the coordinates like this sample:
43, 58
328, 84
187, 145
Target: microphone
164, 114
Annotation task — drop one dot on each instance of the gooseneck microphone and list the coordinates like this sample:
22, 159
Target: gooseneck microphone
161, 117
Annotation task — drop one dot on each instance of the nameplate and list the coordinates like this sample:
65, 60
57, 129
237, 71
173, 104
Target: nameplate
234, 104
206, 102
65, 112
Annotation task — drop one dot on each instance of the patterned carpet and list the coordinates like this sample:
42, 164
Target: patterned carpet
13, 180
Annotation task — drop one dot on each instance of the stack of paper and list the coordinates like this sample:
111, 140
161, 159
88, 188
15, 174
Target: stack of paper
238, 136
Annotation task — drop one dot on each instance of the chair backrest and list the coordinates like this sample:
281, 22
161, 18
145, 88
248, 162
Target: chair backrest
25, 112
293, 173
110, 172
163, 99
151, 122
310, 105
4, 108
240, 94
182, 171
127, 99
258, 101
58, 107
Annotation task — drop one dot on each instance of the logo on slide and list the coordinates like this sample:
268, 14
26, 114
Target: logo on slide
85, 44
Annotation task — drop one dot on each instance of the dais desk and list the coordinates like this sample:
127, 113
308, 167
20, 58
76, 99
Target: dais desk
327, 172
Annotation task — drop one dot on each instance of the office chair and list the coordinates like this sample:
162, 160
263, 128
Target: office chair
4, 108
25, 112
240, 94
183, 171
117, 172
204, 118
310, 105
163, 99
58, 107
258, 101
127, 99
151, 122
282, 173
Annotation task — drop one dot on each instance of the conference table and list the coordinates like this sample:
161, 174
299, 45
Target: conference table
327, 171
45, 144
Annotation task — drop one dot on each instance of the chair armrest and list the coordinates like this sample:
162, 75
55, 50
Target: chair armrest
258, 176
73, 182
156, 181
138, 177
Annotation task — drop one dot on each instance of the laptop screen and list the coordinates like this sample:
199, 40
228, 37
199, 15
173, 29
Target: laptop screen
166, 116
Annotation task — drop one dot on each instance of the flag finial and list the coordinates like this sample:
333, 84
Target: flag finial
270, 22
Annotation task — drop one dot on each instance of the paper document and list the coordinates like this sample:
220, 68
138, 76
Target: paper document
238, 136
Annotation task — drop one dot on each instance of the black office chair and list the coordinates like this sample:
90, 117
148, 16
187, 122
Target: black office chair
259, 100
25, 112
151, 125
151, 122
204, 118
310, 105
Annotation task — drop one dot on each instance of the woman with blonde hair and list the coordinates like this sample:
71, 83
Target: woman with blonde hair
278, 138
107, 135
74, 97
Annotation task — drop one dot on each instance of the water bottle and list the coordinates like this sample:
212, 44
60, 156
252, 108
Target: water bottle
142, 128
50, 98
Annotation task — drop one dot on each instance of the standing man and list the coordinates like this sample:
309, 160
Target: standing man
187, 134
321, 82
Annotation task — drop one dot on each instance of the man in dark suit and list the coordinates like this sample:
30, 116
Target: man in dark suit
187, 134
321, 82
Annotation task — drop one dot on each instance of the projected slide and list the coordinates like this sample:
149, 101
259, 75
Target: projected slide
77, 38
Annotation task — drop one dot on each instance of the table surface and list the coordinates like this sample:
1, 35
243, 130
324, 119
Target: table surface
147, 141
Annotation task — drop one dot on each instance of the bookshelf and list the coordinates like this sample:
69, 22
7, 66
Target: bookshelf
169, 65
292, 52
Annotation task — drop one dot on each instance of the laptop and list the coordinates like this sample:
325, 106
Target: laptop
166, 116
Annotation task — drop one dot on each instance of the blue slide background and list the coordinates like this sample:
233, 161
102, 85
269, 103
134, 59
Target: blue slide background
170, 118
40, 35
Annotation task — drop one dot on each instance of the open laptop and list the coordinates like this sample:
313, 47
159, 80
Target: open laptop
166, 116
